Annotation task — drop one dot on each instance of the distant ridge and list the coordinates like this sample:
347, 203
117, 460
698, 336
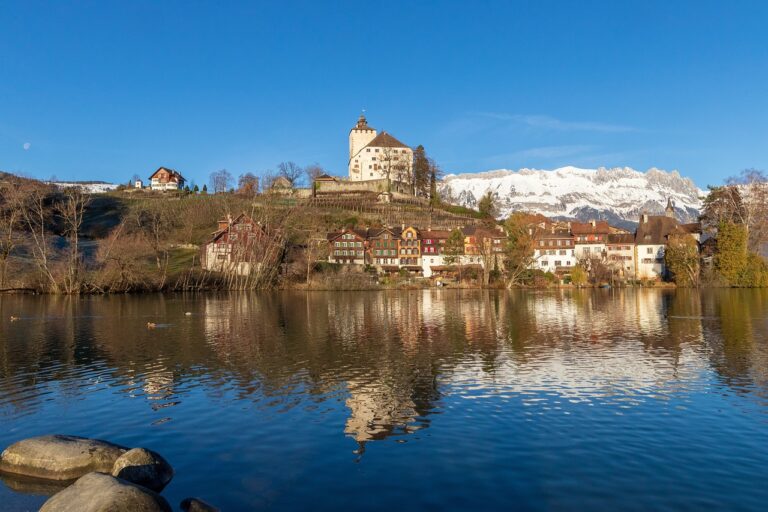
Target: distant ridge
619, 195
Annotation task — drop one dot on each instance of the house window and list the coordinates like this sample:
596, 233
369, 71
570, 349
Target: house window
649, 250
368, 150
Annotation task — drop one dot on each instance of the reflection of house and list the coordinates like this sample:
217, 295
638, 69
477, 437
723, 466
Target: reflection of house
237, 246
166, 179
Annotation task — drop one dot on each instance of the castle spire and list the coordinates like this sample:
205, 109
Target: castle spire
669, 211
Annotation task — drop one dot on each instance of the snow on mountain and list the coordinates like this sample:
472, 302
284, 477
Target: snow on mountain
92, 187
618, 195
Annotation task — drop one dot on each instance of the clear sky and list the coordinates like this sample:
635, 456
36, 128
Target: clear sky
108, 89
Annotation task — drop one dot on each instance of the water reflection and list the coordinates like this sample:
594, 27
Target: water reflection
389, 356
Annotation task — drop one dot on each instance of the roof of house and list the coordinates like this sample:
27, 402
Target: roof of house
621, 238
657, 229
586, 228
326, 177
362, 124
173, 174
435, 234
385, 140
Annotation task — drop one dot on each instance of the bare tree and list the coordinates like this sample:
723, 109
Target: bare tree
753, 186
71, 211
290, 171
248, 184
395, 165
221, 181
36, 217
313, 171
11, 215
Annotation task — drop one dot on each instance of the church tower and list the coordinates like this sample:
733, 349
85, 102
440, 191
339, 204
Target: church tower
359, 137
669, 211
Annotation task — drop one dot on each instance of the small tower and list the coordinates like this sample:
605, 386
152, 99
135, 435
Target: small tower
669, 211
359, 137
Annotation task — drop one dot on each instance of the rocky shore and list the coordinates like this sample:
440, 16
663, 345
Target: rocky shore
96, 476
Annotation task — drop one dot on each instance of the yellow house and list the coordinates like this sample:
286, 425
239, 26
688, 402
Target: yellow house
409, 249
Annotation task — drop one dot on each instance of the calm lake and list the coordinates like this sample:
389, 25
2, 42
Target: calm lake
424, 400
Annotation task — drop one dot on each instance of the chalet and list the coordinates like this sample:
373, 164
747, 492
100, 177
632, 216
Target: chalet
239, 246
409, 250
348, 246
589, 239
166, 179
383, 247
554, 249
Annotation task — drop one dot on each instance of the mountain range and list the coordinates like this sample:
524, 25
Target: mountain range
619, 195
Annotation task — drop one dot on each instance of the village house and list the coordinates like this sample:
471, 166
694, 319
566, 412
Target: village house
348, 247
410, 248
554, 249
383, 247
237, 246
432, 247
651, 238
589, 239
166, 179
620, 250
377, 156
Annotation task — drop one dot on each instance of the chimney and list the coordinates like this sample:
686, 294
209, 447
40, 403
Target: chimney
645, 217
553, 229
593, 223
223, 224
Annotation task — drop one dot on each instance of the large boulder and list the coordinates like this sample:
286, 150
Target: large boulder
58, 457
143, 467
97, 492
197, 505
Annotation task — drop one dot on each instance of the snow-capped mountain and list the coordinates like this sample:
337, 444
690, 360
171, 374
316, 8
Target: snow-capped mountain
618, 195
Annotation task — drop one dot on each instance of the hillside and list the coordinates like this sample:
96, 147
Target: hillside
617, 195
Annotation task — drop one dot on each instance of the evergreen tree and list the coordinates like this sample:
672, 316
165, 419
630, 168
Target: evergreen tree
196, 189
421, 172
434, 174
205, 189
454, 249
731, 252
487, 207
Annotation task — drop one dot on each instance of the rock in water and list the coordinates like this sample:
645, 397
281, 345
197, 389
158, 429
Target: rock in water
58, 457
197, 505
97, 492
143, 467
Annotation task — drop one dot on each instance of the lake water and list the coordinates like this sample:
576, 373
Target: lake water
425, 400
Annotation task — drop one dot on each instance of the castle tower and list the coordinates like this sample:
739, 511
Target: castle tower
359, 137
669, 211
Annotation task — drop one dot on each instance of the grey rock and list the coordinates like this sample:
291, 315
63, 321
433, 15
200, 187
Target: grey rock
59, 457
197, 505
97, 492
143, 467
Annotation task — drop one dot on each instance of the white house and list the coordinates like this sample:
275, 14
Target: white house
590, 238
376, 156
651, 239
554, 250
166, 179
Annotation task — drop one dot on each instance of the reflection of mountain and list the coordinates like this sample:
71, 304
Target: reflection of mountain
390, 358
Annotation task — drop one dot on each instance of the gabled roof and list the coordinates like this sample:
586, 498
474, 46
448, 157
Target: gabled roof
621, 238
586, 228
169, 171
385, 140
326, 177
657, 229
436, 234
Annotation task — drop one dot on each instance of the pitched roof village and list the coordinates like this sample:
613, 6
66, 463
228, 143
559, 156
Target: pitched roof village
558, 246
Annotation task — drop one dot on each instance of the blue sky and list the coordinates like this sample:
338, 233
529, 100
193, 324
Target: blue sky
105, 90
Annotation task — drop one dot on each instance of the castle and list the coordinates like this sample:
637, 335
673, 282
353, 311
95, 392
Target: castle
379, 156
